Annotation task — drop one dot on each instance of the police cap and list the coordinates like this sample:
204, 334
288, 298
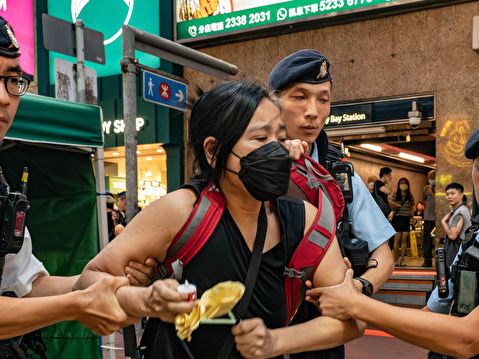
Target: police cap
8, 43
302, 66
471, 150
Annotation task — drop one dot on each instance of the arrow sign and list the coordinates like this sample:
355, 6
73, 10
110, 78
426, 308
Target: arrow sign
164, 91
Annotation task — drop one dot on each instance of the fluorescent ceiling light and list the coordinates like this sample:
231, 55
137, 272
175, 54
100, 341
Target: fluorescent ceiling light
371, 147
355, 131
410, 157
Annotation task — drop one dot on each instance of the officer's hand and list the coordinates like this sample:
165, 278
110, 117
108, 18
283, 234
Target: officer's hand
296, 148
253, 339
162, 300
99, 308
335, 301
140, 274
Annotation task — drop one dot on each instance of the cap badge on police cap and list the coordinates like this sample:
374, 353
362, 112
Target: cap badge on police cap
13, 40
323, 70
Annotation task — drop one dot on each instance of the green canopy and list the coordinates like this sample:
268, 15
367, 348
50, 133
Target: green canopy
48, 120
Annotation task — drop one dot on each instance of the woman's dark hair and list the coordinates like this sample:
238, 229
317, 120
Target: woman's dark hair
408, 191
223, 112
455, 185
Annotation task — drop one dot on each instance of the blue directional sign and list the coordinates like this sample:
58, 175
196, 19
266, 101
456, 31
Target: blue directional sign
164, 91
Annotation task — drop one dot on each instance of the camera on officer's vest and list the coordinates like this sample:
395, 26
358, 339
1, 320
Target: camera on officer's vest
415, 115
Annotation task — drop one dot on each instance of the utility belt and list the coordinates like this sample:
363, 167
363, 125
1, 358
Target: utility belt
12, 349
465, 278
20, 347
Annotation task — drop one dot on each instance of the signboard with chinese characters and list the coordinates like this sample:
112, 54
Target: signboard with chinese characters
20, 15
108, 16
200, 19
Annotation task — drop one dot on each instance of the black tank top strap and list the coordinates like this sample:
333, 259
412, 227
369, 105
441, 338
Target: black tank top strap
196, 185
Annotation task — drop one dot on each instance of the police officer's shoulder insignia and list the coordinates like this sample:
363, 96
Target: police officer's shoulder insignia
11, 36
323, 70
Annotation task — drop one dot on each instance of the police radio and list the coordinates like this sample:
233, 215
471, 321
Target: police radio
342, 172
13, 209
441, 273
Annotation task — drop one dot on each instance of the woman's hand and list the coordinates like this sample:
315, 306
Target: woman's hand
336, 301
296, 148
253, 339
162, 300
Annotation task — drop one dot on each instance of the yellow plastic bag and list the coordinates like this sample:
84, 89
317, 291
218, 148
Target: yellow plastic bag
215, 302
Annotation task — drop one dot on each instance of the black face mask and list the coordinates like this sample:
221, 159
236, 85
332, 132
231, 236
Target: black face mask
265, 171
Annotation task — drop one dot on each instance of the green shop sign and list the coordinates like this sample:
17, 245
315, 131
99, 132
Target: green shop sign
196, 20
108, 16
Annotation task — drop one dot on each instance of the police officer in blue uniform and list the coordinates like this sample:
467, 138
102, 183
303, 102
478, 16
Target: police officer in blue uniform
451, 335
303, 83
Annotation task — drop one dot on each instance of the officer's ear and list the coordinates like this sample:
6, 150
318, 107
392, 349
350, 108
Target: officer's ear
209, 146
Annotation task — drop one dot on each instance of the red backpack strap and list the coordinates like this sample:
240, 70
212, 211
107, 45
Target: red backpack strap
197, 230
309, 176
308, 255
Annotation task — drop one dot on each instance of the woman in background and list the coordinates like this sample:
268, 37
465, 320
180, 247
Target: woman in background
403, 203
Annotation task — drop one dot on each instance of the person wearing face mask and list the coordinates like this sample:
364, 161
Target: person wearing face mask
239, 141
403, 203
429, 217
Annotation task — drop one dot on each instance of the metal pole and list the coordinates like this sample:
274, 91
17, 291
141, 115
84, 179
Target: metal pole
129, 116
180, 54
80, 50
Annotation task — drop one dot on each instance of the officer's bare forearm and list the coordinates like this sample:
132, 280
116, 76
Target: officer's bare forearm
23, 315
45, 285
379, 275
422, 328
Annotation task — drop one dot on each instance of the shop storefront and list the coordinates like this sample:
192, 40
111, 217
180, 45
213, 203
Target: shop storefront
159, 151
152, 179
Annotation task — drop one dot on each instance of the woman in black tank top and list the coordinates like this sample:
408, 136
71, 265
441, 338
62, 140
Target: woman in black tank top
239, 141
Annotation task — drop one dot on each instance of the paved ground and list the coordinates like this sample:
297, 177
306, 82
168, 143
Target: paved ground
379, 345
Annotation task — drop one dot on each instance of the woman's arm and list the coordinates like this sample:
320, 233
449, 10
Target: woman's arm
148, 235
422, 328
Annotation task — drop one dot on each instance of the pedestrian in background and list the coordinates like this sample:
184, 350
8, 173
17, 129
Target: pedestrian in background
429, 195
403, 203
456, 221
370, 183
